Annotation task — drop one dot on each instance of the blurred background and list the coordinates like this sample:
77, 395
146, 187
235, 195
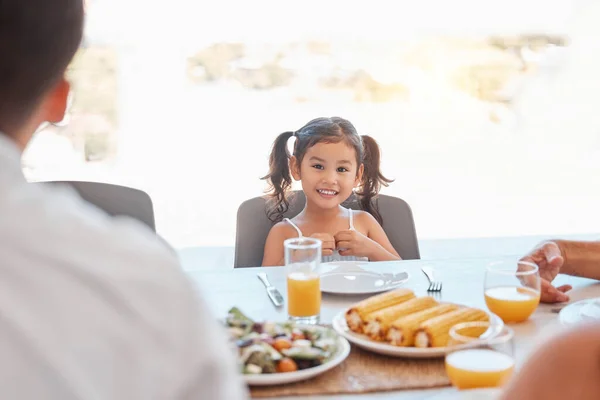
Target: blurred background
486, 111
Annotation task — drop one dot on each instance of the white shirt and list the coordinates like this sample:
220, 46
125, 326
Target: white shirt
96, 308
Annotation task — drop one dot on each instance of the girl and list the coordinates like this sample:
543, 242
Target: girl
330, 159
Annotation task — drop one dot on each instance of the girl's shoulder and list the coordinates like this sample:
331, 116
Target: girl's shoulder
364, 221
363, 216
284, 229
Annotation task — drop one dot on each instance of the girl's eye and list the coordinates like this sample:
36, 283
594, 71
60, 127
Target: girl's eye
342, 169
318, 166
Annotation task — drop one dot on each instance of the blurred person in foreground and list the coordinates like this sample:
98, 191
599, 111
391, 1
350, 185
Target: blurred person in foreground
565, 367
91, 307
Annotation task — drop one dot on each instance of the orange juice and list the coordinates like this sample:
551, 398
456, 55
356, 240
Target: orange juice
304, 294
478, 368
512, 303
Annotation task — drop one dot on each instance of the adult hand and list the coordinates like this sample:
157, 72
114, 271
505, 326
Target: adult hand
547, 256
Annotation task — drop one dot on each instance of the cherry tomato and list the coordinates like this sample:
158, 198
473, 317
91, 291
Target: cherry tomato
287, 365
298, 335
282, 344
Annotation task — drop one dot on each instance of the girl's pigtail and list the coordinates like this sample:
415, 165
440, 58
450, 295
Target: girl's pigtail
372, 179
279, 177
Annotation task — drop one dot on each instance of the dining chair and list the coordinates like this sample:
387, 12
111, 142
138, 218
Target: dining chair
253, 226
114, 199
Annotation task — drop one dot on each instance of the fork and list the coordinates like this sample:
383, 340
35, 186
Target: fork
434, 286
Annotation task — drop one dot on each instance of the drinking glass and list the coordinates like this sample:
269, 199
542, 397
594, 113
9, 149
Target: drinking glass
481, 355
302, 259
512, 289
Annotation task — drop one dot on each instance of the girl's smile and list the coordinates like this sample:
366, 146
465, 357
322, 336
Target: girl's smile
327, 194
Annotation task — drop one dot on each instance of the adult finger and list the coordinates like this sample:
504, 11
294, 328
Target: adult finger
564, 288
347, 252
552, 254
550, 294
327, 252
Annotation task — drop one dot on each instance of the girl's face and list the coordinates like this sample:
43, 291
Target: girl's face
328, 173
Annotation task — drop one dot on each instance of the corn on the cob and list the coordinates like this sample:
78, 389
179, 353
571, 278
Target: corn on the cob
434, 332
356, 314
402, 331
378, 322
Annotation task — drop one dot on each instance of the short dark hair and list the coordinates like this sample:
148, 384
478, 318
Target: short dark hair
38, 39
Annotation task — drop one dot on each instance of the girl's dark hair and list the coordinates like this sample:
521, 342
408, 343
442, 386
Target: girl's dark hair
323, 130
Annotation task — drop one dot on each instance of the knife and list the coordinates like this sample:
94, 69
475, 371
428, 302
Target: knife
272, 291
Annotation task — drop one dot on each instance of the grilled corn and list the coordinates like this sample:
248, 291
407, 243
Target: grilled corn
378, 322
434, 332
355, 316
402, 331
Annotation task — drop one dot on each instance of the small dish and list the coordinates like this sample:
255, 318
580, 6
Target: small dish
582, 311
349, 277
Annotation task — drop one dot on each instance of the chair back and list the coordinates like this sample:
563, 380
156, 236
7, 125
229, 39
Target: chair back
253, 226
115, 199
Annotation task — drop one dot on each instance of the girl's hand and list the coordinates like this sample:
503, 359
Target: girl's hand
354, 243
328, 246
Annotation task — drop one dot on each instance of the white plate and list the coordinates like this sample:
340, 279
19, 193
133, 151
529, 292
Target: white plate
582, 311
363, 341
469, 394
343, 349
348, 277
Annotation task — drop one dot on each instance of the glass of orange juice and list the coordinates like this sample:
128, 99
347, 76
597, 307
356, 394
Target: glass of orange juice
302, 259
481, 355
512, 289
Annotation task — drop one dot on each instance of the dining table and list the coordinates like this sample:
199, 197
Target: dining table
463, 283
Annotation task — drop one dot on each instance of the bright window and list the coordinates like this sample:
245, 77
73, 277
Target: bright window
486, 112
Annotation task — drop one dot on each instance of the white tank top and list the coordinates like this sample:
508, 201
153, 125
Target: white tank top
336, 254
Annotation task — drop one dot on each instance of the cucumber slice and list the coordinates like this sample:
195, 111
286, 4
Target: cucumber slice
303, 353
270, 350
237, 318
252, 369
